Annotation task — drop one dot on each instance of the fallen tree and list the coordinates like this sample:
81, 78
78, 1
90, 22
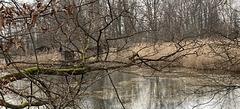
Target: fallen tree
101, 37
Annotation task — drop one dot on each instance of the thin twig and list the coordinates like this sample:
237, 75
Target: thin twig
115, 90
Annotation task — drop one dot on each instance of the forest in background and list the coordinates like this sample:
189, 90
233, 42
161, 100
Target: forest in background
109, 35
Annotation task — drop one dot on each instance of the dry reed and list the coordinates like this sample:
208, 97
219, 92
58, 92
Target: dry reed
201, 54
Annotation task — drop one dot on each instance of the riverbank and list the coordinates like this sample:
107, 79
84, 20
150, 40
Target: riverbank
195, 53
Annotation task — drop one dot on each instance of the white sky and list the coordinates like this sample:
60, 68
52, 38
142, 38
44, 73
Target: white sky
25, 1
236, 3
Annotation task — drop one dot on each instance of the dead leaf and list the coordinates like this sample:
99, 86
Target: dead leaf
34, 19
1, 23
16, 43
14, 24
15, 11
9, 15
28, 7
29, 26
67, 36
23, 45
4, 22
3, 46
70, 10
80, 38
7, 47
43, 29
1, 8
24, 6
8, 10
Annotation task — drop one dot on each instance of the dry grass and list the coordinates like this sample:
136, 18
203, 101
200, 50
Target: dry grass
43, 57
51, 57
201, 54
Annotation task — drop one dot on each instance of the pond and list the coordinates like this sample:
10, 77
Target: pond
173, 88
176, 88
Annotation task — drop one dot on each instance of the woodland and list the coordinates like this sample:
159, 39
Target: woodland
86, 40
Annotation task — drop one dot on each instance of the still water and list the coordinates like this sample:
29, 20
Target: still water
176, 88
173, 88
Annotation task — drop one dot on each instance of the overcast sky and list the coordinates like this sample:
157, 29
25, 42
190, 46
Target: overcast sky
25, 1
236, 4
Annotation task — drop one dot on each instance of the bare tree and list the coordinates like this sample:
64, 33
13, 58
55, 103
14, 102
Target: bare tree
106, 36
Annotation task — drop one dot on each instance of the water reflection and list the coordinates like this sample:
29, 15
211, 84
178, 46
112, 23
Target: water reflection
162, 93
175, 88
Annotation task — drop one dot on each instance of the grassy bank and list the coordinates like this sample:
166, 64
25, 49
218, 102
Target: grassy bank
201, 54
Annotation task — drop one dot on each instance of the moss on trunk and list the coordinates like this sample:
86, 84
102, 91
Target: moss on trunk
20, 106
34, 71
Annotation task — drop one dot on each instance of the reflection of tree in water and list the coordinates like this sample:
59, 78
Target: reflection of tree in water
206, 91
213, 91
112, 35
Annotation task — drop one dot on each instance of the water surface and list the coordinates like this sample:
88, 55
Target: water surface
175, 88
139, 88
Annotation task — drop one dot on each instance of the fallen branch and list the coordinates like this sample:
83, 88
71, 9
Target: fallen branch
20, 106
61, 72
34, 71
